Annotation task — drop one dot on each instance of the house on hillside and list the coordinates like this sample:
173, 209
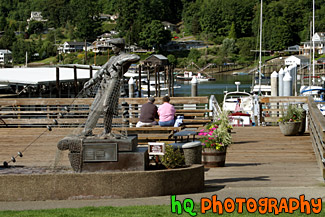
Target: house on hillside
319, 40
5, 57
36, 16
72, 46
299, 60
169, 26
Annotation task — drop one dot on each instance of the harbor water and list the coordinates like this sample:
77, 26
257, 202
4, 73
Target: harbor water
223, 82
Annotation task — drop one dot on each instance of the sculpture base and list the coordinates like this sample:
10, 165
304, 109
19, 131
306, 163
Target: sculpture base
96, 154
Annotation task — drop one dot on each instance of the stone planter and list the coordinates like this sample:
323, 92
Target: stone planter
290, 128
213, 158
192, 152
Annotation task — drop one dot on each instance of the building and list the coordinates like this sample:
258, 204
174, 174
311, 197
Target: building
169, 26
5, 57
72, 46
319, 40
299, 60
36, 16
156, 59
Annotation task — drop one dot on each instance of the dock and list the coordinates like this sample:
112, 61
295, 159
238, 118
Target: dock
258, 157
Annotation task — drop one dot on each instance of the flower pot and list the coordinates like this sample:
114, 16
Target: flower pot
290, 128
213, 158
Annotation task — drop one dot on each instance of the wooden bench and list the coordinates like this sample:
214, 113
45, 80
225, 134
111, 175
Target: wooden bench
40, 112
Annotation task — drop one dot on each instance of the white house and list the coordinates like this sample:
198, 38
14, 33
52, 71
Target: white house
36, 16
72, 46
319, 40
5, 56
299, 60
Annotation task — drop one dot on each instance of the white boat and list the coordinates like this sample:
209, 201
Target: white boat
188, 76
240, 105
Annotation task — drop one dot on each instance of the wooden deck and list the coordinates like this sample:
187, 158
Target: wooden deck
260, 156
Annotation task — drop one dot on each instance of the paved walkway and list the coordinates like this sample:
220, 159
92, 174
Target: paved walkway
261, 163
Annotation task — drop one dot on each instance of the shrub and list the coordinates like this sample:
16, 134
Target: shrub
172, 158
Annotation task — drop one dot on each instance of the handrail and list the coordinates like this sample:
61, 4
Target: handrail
317, 132
214, 106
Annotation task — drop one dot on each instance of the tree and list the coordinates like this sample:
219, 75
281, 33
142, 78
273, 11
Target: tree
3, 23
154, 35
86, 21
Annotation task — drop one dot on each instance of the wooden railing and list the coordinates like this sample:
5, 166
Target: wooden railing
317, 133
37, 112
273, 108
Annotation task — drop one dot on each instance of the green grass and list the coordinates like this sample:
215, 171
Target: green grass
49, 60
134, 211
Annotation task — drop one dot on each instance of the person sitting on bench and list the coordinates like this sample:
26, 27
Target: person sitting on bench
148, 114
166, 113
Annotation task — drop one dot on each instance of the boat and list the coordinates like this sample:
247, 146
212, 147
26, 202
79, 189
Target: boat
188, 76
240, 105
316, 84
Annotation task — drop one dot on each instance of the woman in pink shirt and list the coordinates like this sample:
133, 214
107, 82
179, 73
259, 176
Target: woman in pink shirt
166, 113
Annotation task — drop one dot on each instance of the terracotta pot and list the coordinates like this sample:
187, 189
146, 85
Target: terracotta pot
290, 128
213, 158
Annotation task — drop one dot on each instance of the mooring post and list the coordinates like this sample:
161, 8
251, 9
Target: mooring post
194, 85
148, 79
287, 84
90, 72
139, 83
173, 81
156, 88
280, 84
58, 89
274, 89
75, 79
158, 77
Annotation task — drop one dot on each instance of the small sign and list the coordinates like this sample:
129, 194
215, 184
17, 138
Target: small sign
155, 148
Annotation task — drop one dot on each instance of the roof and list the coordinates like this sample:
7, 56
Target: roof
161, 57
76, 43
5, 51
301, 57
39, 75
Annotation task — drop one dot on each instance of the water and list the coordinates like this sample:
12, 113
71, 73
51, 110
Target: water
223, 82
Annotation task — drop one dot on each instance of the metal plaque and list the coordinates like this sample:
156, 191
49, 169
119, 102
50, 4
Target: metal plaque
97, 152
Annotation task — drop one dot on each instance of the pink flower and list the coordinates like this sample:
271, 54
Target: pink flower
202, 130
210, 138
200, 134
206, 140
214, 128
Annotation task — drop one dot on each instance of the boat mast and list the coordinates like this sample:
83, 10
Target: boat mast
260, 58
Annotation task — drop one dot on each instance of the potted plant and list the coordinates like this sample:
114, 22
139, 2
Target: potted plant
290, 122
215, 139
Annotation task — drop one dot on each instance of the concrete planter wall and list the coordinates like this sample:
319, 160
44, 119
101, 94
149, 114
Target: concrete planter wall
62, 186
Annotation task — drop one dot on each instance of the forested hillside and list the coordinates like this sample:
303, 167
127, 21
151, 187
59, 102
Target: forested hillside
285, 22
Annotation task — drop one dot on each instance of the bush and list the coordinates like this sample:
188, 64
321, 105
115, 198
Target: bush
172, 158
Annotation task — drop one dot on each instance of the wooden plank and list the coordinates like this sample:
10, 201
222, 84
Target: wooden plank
284, 99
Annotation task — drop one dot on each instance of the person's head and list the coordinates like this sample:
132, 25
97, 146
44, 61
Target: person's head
117, 44
166, 99
151, 99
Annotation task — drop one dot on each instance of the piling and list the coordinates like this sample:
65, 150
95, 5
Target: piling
194, 86
274, 88
280, 84
156, 88
58, 89
148, 79
131, 95
75, 80
139, 83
